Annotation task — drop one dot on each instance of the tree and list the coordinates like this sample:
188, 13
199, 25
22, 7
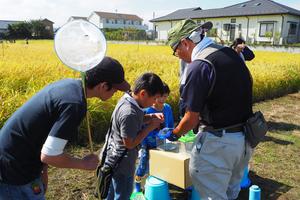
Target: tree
20, 30
34, 29
39, 29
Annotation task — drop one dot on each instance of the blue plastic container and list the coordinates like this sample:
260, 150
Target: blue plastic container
156, 189
254, 192
245, 182
195, 195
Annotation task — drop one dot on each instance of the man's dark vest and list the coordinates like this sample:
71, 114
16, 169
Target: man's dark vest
230, 99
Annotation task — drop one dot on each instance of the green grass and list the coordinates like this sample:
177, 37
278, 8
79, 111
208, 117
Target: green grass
274, 165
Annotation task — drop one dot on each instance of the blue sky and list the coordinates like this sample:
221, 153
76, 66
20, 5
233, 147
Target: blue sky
59, 11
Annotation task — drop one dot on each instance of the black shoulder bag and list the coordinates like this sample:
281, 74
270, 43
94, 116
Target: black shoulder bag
104, 172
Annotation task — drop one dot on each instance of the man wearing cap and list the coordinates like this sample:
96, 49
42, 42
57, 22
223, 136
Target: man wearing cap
37, 133
217, 92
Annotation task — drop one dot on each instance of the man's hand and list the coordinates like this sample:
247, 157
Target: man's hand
164, 133
173, 137
240, 47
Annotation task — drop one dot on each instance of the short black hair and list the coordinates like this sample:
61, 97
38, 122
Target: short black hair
149, 82
166, 88
236, 42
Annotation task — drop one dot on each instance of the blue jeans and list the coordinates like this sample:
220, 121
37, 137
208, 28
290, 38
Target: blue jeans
143, 166
121, 186
30, 191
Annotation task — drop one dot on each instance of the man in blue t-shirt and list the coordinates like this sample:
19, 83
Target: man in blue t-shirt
37, 133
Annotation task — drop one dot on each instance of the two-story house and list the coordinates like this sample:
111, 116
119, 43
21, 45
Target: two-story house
254, 20
116, 20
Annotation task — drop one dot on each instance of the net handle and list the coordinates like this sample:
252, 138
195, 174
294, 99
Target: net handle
83, 75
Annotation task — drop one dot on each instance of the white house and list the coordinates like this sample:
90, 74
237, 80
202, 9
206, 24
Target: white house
254, 20
116, 20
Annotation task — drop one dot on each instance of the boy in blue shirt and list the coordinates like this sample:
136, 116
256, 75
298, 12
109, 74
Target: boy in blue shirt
150, 141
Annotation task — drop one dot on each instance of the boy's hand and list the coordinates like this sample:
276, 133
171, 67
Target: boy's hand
158, 116
155, 123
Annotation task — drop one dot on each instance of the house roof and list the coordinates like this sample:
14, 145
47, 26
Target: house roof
248, 8
78, 17
4, 23
47, 20
108, 15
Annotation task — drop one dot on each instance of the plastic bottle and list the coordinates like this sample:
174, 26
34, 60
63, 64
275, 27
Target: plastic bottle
254, 192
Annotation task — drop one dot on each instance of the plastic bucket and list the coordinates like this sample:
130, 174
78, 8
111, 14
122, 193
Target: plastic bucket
156, 189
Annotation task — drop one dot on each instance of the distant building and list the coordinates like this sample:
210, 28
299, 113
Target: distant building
4, 25
76, 17
254, 20
116, 20
48, 26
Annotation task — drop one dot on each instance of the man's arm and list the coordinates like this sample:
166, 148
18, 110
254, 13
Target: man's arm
53, 154
248, 54
64, 160
189, 121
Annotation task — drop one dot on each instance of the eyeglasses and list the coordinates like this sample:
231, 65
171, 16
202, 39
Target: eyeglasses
174, 51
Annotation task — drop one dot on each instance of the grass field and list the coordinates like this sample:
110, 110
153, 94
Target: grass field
274, 165
25, 69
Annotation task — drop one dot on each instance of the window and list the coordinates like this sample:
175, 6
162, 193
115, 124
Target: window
265, 29
292, 28
233, 20
240, 27
226, 27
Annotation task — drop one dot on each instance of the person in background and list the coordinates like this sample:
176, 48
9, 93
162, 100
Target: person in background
35, 135
128, 131
239, 45
217, 92
160, 106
